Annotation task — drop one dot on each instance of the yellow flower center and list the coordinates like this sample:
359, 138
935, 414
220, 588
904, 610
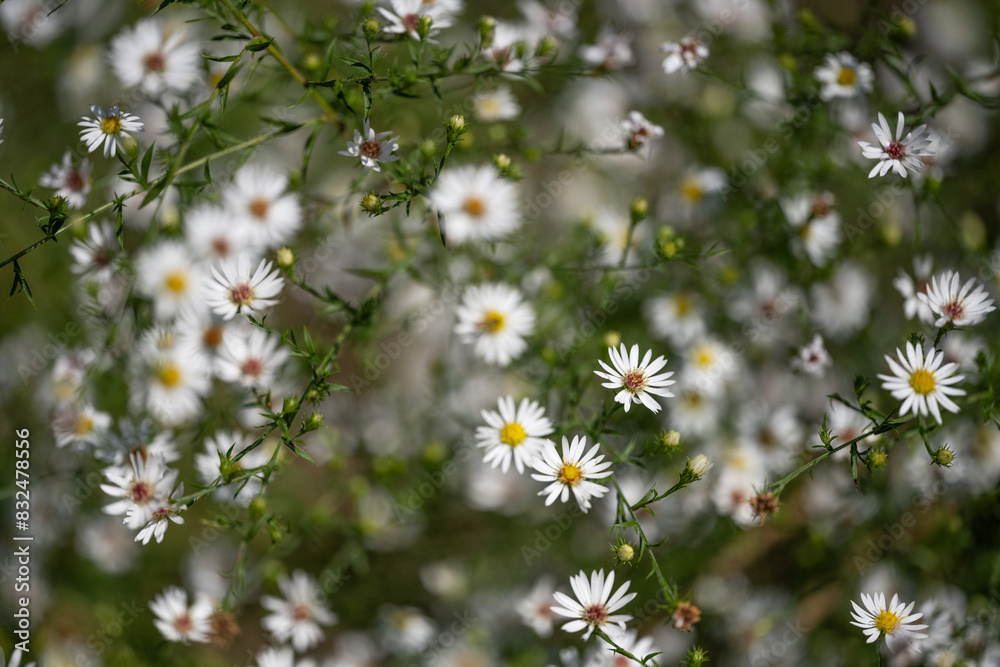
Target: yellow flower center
168, 375
703, 356
570, 474
887, 622
474, 206
691, 190
682, 304
176, 281
111, 124
84, 425
492, 322
922, 382
847, 76
512, 434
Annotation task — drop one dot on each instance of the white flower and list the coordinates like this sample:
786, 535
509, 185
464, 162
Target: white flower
816, 225
684, 55
840, 307
372, 148
15, 657
140, 56
922, 382
510, 48
163, 515
912, 289
640, 131
171, 277
179, 623
511, 433
813, 358
234, 290
203, 335
962, 307
676, 317
257, 201
475, 204
628, 640
71, 183
637, 381
709, 367
594, 604
142, 484
571, 471
33, 21
699, 465
213, 234
894, 621
893, 153
270, 656
695, 412
300, 614
79, 425
404, 18
700, 182
252, 360
843, 76
495, 105
496, 320
243, 490
613, 51
405, 629
176, 385
535, 609
110, 128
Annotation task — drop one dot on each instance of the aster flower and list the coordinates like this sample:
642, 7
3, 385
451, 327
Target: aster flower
637, 381
813, 359
684, 55
495, 105
613, 50
71, 183
79, 425
893, 153
511, 433
165, 514
176, 386
299, 614
15, 657
171, 277
270, 656
404, 17
843, 76
140, 56
676, 317
252, 360
913, 289
894, 621
234, 290
815, 224
594, 604
142, 484
110, 128
176, 621
574, 471
475, 204
699, 182
372, 148
640, 131
535, 608
213, 234
922, 382
260, 206
494, 318
962, 307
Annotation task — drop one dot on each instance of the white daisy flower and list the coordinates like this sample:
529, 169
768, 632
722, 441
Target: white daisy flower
816, 226
169, 275
495, 105
257, 200
594, 606
212, 234
698, 183
574, 471
676, 317
142, 57
110, 128
922, 382
71, 183
165, 514
962, 307
142, 484
33, 21
710, 367
913, 289
79, 425
637, 381
495, 318
176, 386
517, 434
404, 17
535, 609
252, 360
270, 656
684, 55
613, 50
207, 464
203, 334
405, 629
841, 306
372, 148
475, 204
299, 614
640, 130
892, 153
813, 359
843, 76
179, 623
695, 412
234, 290
894, 621
509, 48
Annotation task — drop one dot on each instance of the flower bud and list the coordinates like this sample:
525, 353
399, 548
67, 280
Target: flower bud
639, 209
625, 553
698, 466
285, 258
371, 203
487, 27
424, 26
371, 28
313, 422
502, 161
944, 457
612, 338
877, 458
